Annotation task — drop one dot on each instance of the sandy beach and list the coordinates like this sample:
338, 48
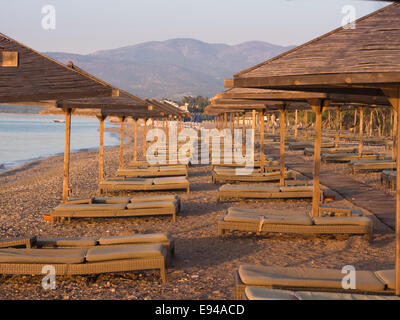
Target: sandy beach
204, 264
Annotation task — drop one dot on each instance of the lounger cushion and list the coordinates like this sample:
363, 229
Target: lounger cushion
129, 181
256, 293
359, 221
168, 180
108, 253
388, 277
165, 197
135, 238
20, 241
308, 295
287, 220
50, 256
296, 189
249, 188
306, 277
151, 204
89, 207
111, 200
67, 242
80, 200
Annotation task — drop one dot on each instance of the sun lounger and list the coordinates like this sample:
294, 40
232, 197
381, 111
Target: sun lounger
143, 184
223, 176
259, 221
118, 207
371, 165
388, 179
163, 171
311, 279
310, 151
257, 293
308, 144
84, 261
264, 191
347, 157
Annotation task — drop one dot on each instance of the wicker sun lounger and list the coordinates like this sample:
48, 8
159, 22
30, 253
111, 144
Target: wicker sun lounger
308, 144
143, 184
259, 221
371, 165
84, 261
347, 157
388, 179
118, 207
264, 191
223, 176
257, 293
311, 279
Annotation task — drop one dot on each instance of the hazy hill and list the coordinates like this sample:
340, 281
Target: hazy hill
172, 68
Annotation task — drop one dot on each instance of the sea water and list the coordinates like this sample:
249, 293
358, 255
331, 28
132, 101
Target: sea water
25, 138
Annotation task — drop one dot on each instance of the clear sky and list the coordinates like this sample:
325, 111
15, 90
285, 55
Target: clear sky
84, 26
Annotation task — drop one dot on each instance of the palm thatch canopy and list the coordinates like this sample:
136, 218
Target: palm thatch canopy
29, 76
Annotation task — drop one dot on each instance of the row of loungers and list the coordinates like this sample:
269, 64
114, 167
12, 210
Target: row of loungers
155, 171
380, 282
371, 165
347, 157
331, 220
223, 175
263, 191
105, 207
84, 256
119, 184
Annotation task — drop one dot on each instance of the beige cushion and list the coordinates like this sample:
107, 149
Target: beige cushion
307, 295
162, 197
306, 277
111, 200
168, 180
296, 189
17, 242
151, 204
256, 293
388, 277
358, 221
90, 207
135, 238
66, 242
50, 256
129, 181
107, 253
249, 188
80, 200
302, 220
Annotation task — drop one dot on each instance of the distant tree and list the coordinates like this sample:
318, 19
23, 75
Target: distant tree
195, 104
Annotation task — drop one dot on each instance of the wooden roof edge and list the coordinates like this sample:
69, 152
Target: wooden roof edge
311, 41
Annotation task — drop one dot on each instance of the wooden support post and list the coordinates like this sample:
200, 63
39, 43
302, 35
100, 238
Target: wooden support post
393, 96
317, 106
101, 148
395, 135
253, 124
262, 156
121, 144
371, 120
144, 137
67, 147
306, 122
282, 145
337, 126
295, 122
225, 120
135, 139
360, 146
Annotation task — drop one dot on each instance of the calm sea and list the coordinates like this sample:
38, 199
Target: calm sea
24, 138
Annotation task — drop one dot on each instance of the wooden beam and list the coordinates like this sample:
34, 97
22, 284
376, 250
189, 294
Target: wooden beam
360, 146
262, 157
337, 127
67, 147
296, 122
228, 83
144, 137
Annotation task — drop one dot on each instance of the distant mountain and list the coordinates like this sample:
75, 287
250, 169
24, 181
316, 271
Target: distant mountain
172, 68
